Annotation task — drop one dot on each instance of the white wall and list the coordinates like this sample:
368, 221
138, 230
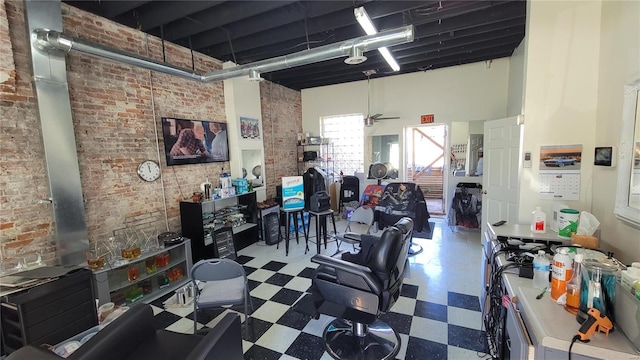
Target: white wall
561, 83
242, 98
461, 93
578, 54
619, 62
516, 80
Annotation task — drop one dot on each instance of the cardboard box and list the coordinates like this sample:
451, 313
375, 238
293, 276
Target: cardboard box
292, 193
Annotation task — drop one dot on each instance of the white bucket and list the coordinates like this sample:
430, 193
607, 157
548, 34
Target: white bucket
567, 222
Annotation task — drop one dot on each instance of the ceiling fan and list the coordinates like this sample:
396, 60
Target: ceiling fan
369, 120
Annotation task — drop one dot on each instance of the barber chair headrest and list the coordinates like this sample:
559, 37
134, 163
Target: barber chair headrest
405, 225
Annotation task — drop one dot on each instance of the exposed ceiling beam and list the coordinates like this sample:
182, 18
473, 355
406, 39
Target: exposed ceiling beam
222, 15
470, 43
425, 64
269, 20
338, 19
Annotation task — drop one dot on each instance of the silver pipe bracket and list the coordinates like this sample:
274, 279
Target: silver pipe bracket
51, 41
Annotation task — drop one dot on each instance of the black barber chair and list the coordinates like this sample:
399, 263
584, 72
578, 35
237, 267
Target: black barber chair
357, 289
400, 200
133, 335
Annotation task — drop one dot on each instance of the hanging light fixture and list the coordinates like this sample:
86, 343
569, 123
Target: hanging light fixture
367, 25
356, 56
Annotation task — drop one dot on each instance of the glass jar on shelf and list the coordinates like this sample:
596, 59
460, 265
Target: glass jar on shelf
162, 260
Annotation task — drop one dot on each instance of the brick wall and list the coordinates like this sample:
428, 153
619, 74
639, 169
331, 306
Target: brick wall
116, 114
281, 123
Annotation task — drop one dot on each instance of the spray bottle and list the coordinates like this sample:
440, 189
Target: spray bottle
561, 271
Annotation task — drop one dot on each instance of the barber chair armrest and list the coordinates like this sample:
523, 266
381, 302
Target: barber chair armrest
359, 271
350, 237
224, 341
31, 352
121, 336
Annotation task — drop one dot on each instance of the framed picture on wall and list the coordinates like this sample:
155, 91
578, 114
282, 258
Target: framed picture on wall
249, 128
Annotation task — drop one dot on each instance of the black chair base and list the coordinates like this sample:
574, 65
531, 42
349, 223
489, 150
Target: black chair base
376, 341
414, 249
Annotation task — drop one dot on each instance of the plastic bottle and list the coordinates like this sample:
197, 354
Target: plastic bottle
561, 271
628, 277
541, 270
573, 286
538, 221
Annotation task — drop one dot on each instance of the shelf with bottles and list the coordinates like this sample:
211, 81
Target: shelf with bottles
150, 266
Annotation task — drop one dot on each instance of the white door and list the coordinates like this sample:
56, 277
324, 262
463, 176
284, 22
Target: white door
501, 171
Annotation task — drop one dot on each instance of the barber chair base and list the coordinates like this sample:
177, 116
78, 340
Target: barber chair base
379, 340
414, 249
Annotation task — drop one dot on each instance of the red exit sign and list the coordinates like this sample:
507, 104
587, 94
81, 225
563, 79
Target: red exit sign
426, 119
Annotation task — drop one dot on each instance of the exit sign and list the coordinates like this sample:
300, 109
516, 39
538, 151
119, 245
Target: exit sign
426, 119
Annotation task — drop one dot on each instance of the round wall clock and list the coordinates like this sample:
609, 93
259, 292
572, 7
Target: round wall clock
149, 170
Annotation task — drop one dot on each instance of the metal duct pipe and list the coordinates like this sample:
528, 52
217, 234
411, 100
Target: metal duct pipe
54, 41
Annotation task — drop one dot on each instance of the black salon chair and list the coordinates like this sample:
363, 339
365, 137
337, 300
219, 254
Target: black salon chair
357, 289
349, 190
133, 335
400, 200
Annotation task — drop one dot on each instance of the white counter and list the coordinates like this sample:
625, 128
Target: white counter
551, 326
523, 232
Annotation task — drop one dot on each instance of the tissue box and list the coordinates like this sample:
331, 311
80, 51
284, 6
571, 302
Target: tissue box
587, 241
227, 192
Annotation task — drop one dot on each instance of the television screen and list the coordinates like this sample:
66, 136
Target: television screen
194, 141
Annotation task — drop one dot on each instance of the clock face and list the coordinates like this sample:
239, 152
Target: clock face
149, 170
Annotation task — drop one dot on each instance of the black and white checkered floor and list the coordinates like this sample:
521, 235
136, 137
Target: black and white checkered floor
437, 315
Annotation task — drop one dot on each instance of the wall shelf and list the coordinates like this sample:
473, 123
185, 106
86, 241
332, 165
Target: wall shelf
111, 283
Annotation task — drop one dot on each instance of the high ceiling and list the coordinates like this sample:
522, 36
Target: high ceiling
447, 33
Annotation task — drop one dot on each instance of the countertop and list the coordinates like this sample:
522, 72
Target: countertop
548, 323
553, 327
523, 231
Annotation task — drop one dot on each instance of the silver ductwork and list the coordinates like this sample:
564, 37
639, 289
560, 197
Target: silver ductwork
54, 41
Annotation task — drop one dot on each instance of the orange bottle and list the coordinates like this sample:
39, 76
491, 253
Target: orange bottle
561, 271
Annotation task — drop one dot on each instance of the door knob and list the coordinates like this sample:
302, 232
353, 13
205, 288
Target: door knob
484, 192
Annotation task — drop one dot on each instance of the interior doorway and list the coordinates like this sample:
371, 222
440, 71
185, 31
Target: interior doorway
425, 146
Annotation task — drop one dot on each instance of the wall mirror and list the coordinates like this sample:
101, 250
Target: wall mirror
467, 139
385, 149
628, 192
252, 166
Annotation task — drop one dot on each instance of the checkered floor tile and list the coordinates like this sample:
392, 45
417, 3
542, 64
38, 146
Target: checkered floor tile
433, 321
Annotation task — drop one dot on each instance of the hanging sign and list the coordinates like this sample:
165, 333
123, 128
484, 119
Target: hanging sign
426, 119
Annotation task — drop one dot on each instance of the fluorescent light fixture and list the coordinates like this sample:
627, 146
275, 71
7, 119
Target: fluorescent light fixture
367, 25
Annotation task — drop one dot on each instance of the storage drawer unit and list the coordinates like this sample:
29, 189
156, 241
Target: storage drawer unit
50, 312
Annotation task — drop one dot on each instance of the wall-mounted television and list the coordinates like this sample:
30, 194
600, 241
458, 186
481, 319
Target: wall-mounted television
194, 141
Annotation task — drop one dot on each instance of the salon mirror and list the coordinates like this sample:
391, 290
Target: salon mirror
252, 166
628, 192
384, 149
466, 141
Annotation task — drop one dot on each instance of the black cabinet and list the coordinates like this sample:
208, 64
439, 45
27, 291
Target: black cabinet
50, 312
219, 228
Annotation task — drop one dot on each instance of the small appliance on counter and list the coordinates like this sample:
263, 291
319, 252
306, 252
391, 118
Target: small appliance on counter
170, 238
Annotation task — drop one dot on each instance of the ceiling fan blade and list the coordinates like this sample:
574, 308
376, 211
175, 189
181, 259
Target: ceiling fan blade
376, 116
388, 118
